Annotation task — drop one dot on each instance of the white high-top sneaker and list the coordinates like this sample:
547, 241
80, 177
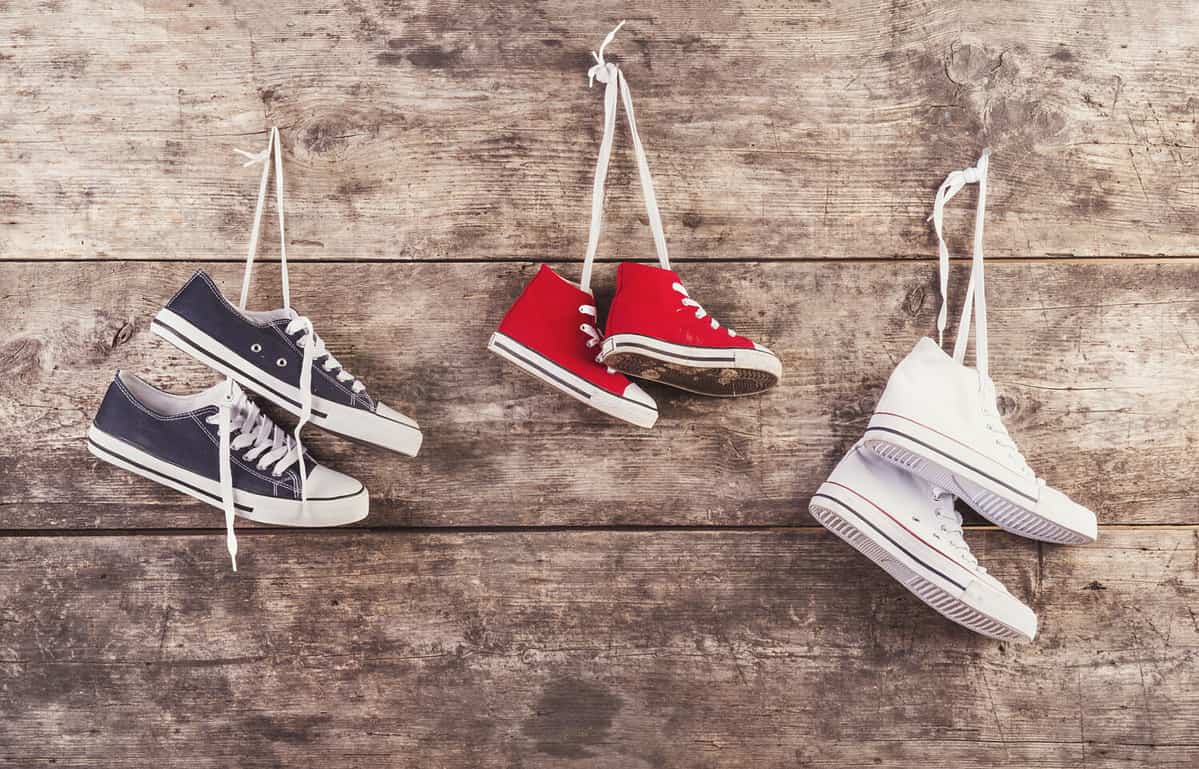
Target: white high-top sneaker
938, 418
910, 529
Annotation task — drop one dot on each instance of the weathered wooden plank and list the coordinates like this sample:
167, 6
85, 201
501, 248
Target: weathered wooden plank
464, 130
603, 649
1094, 363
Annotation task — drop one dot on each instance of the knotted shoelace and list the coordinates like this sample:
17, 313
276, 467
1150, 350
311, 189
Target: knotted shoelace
614, 82
312, 345
976, 298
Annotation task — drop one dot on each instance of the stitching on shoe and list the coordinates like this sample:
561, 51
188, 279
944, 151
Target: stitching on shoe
229, 305
160, 417
261, 326
186, 283
241, 463
318, 369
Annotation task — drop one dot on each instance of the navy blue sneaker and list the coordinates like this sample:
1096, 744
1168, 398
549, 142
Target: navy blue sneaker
176, 440
278, 355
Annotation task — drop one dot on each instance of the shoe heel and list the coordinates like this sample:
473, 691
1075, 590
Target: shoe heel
915, 464
854, 537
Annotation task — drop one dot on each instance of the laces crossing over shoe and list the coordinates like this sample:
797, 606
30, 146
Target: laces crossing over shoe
938, 418
550, 333
551, 330
911, 529
218, 447
655, 330
277, 353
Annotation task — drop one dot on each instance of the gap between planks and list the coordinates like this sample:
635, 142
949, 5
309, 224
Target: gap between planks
865, 260
258, 530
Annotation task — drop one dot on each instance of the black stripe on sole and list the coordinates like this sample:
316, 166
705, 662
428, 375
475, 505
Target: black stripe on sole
884, 535
953, 459
158, 474
711, 359
394, 421
236, 505
553, 376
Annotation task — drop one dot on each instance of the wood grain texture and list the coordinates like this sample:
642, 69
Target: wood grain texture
689, 650
465, 130
1094, 364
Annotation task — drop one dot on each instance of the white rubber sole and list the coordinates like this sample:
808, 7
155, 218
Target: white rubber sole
722, 372
573, 385
399, 434
995, 493
255, 507
931, 576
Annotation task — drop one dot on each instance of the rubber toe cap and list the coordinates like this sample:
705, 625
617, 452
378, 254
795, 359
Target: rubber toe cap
1057, 507
325, 484
1019, 621
645, 419
383, 410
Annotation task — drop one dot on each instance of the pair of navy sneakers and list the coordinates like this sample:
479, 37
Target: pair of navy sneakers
218, 445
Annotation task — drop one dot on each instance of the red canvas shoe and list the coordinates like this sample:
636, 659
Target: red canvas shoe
656, 331
550, 333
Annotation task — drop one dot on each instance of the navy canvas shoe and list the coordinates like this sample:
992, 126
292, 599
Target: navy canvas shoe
218, 447
277, 353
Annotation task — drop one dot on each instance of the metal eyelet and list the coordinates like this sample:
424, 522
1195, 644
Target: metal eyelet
281, 363
255, 348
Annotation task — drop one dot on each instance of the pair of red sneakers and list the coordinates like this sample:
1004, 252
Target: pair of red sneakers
654, 330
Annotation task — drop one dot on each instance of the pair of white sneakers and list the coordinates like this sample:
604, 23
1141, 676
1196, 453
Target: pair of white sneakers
936, 436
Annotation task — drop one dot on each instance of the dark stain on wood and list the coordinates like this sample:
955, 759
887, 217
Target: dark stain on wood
571, 717
419, 53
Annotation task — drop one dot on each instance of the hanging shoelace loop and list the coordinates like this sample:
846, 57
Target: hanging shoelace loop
615, 84
976, 299
232, 403
975, 302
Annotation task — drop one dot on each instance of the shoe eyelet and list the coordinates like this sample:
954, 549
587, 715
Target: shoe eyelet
255, 348
281, 362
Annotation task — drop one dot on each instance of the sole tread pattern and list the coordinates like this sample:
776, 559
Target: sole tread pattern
940, 600
1004, 513
720, 382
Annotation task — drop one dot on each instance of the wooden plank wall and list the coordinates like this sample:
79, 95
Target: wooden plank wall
543, 586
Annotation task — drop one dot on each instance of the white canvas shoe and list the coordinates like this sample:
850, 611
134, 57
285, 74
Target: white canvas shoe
911, 529
938, 418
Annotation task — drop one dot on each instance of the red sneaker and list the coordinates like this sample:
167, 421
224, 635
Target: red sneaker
550, 333
656, 331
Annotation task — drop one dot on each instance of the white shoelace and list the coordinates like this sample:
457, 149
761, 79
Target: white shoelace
976, 300
594, 337
700, 312
614, 81
313, 346
268, 446
949, 522
975, 294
